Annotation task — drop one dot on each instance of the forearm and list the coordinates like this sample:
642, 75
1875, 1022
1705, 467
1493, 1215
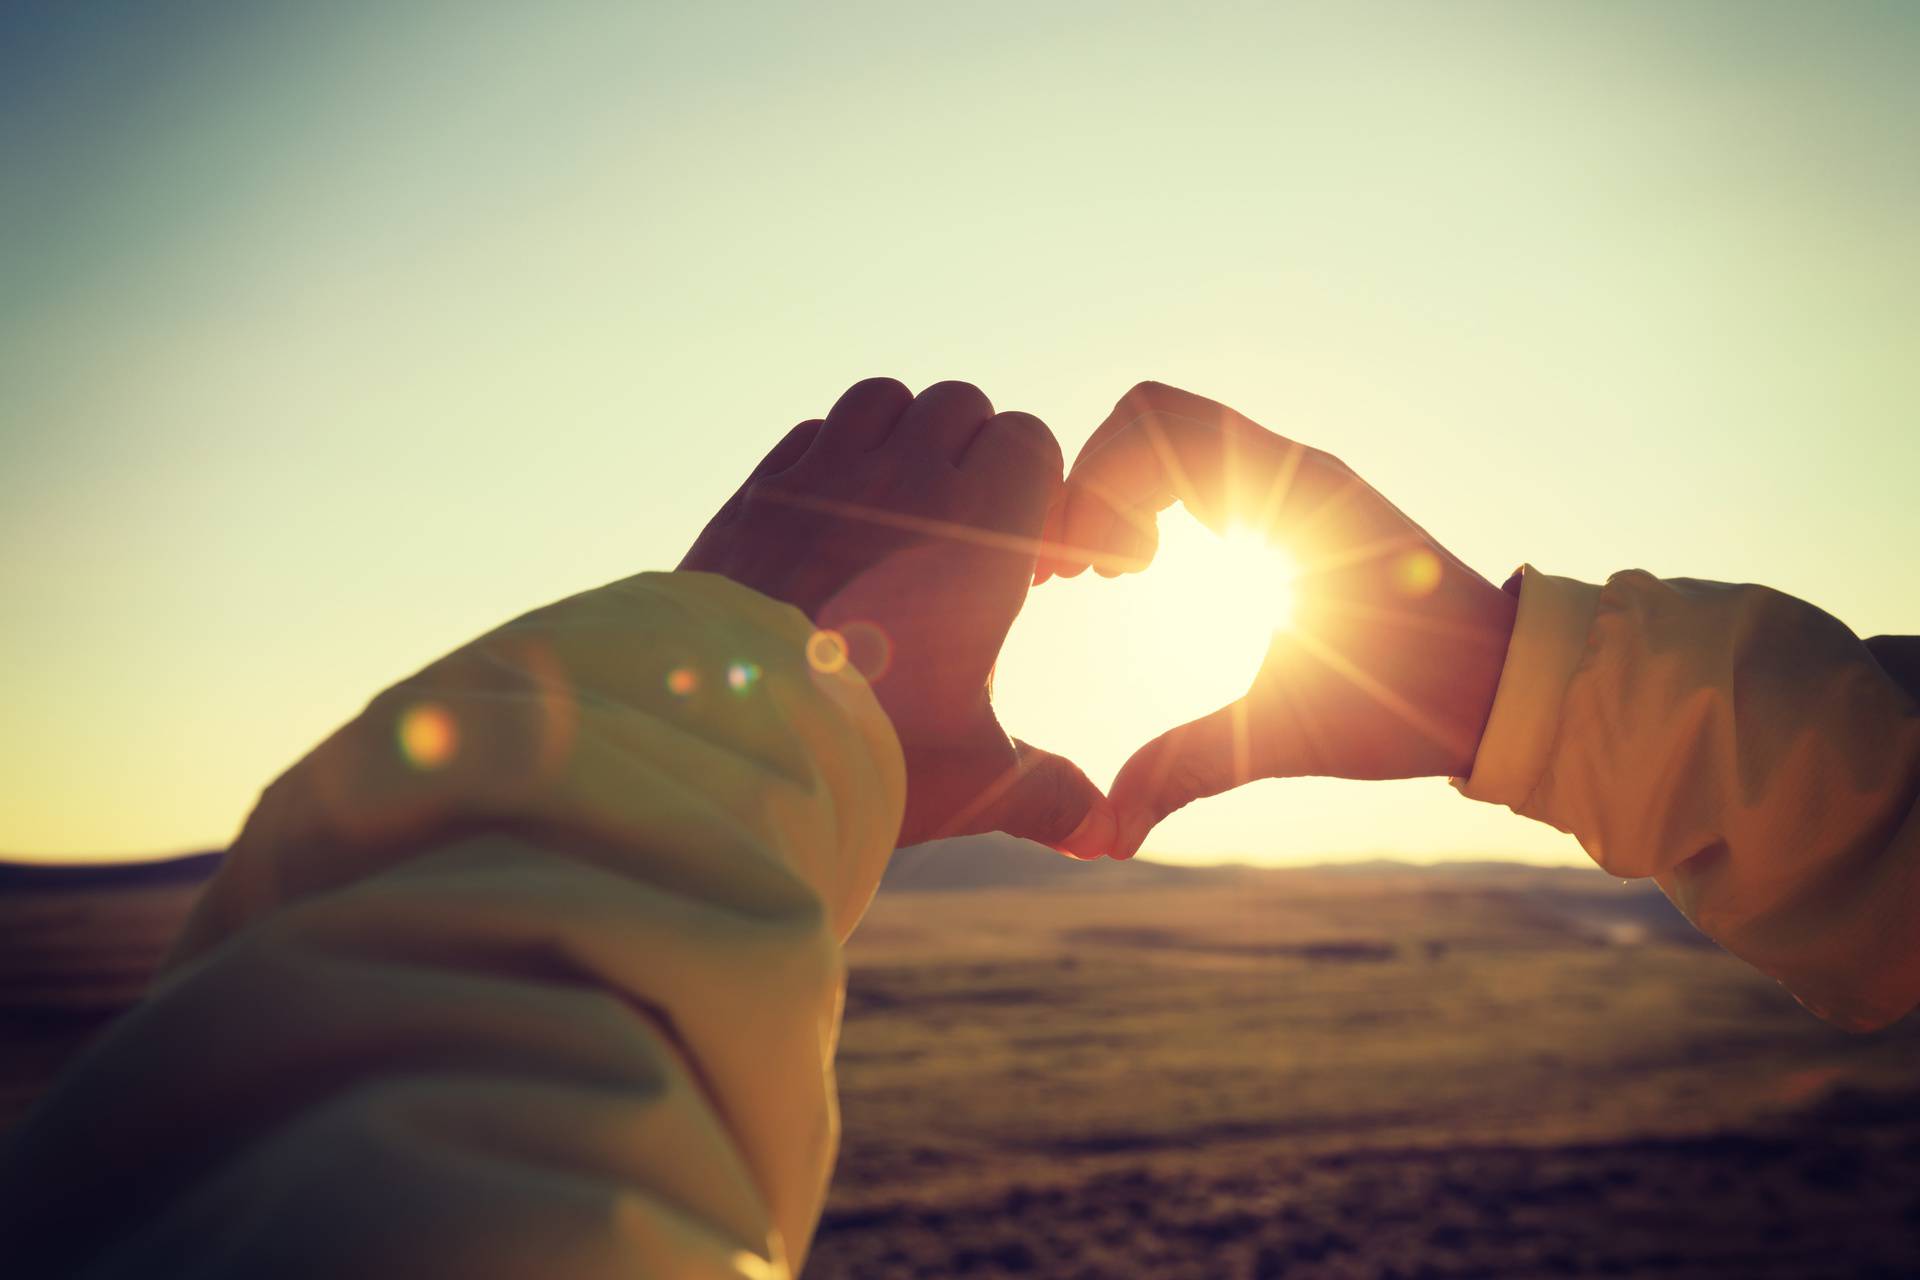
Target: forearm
1741, 747
560, 983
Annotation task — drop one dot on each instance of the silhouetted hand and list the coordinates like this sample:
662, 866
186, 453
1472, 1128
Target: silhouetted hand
907, 526
1390, 665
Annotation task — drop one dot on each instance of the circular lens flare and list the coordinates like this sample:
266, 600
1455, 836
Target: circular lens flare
428, 736
826, 651
869, 649
1417, 573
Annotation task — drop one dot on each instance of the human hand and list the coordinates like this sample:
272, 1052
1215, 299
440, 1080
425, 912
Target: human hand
1390, 665
906, 527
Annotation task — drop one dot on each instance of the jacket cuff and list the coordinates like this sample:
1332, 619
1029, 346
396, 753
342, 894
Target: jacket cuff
1549, 640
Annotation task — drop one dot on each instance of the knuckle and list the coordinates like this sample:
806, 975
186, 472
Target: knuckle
777, 497
1034, 439
1321, 460
870, 398
956, 390
1187, 781
876, 386
1055, 812
1153, 399
756, 494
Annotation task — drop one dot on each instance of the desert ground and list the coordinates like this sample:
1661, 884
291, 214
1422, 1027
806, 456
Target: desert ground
1056, 1070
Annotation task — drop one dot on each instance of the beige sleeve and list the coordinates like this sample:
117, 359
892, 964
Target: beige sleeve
533, 969
1741, 747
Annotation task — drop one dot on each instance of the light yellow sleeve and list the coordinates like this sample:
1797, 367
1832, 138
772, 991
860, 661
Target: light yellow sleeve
1741, 747
533, 969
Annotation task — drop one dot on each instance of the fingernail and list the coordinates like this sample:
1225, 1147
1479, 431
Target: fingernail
1095, 834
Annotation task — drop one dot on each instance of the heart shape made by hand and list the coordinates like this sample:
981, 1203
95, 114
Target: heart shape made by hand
1095, 668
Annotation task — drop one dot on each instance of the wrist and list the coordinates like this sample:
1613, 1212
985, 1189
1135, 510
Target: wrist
1479, 663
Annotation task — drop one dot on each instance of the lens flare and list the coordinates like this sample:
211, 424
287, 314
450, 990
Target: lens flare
742, 676
427, 736
826, 651
869, 649
682, 681
1417, 573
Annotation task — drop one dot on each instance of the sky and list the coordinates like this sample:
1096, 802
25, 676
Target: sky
332, 335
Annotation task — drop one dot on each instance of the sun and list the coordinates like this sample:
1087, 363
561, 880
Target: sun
1248, 564
1242, 578
1097, 666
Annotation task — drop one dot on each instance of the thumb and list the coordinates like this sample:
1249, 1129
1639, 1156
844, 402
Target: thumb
1051, 801
1198, 759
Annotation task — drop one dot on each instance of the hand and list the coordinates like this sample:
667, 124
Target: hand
1394, 653
908, 526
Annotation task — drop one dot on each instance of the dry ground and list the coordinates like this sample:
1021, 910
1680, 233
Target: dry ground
1125, 1071
1496, 1072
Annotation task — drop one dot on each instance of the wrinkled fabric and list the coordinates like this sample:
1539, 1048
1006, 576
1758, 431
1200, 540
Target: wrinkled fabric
533, 969
1743, 749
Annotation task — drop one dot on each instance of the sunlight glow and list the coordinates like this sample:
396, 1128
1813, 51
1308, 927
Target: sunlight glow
1249, 568
1097, 666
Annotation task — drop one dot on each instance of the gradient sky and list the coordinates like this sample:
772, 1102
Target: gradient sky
331, 335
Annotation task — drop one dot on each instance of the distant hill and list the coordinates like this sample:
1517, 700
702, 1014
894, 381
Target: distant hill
188, 868
1582, 899
996, 861
990, 861
1588, 901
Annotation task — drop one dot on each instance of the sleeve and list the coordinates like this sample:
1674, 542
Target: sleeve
1741, 747
532, 969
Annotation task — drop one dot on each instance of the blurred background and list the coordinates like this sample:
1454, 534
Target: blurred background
332, 335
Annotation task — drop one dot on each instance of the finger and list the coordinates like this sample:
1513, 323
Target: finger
1128, 544
1145, 544
1106, 525
1018, 465
1161, 444
1156, 459
1201, 758
1050, 539
791, 448
1070, 558
1146, 398
943, 420
1052, 801
1100, 534
1073, 553
865, 414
